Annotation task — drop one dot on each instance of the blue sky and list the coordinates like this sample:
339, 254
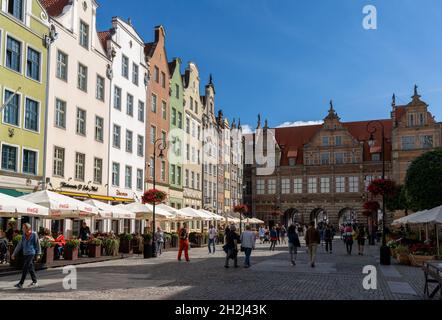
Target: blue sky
287, 58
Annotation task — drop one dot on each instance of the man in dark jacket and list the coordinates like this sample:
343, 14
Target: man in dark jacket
328, 237
294, 243
231, 246
312, 239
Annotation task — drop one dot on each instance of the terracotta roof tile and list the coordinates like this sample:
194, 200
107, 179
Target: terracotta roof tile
104, 36
149, 48
54, 7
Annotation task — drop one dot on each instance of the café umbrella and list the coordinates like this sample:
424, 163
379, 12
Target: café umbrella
145, 211
11, 207
106, 211
178, 215
61, 207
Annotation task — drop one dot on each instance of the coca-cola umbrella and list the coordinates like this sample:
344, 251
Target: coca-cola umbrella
11, 207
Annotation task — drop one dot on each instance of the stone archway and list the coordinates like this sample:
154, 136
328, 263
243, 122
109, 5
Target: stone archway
291, 216
319, 216
346, 216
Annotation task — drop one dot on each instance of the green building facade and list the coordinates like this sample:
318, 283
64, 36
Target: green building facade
24, 27
176, 135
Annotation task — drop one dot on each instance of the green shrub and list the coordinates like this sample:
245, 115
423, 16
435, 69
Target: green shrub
16, 240
126, 237
96, 242
46, 244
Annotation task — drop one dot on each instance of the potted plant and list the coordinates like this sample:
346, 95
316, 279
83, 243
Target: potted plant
18, 261
402, 255
47, 248
392, 244
148, 243
174, 240
421, 253
111, 247
137, 244
94, 248
196, 239
126, 243
71, 249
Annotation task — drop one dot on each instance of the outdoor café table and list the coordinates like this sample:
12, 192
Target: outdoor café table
433, 274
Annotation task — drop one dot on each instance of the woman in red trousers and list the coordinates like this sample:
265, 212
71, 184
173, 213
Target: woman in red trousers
184, 243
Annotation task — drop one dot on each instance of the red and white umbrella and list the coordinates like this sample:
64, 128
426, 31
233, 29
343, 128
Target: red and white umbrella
14, 207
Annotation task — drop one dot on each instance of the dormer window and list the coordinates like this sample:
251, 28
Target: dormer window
338, 141
422, 119
325, 141
15, 8
84, 35
411, 120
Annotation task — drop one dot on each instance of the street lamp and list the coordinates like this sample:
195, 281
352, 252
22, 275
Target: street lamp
372, 128
159, 145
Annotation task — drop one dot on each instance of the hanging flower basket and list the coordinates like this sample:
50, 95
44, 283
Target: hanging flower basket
154, 196
382, 187
242, 208
372, 206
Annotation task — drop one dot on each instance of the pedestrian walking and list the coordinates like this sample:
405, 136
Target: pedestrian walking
273, 239
348, 238
361, 237
294, 243
283, 235
184, 243
212, 237
328, 237
262, 234
29, 246
159, 241
312, 239
278, 233
231, 246
85, 234
248, 240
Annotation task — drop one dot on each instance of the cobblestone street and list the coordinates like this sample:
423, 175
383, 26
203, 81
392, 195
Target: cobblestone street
336, 277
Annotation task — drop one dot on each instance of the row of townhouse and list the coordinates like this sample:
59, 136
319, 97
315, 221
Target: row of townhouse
85, 113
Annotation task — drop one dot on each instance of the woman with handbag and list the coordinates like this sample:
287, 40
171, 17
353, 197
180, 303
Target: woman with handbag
231, 246
248, 240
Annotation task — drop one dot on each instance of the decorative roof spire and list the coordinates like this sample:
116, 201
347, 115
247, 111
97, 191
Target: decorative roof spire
332, 109
239, 123
266, 124
259, 121
210, 79
393, 101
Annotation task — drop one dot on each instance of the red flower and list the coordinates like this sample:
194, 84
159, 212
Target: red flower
242, 208
154, 196
382, 187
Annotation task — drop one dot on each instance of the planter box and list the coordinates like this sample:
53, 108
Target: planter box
48, 256
94, 251
403, 259
126, 247
70, 254
418, 261
147, 251
137, 246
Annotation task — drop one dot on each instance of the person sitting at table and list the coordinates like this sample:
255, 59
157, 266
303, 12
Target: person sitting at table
47, 236
85, 234
60, 242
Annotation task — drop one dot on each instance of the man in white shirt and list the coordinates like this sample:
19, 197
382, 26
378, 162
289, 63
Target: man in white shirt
212, 237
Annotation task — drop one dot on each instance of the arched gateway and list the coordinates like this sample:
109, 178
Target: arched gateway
319, 216
291, 216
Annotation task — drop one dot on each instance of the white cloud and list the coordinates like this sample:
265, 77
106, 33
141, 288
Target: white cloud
300, 124
246, 129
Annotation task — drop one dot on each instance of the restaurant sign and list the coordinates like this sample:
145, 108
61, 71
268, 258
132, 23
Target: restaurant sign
79, 187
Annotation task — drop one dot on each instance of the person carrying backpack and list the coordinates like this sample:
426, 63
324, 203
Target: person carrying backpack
184, 243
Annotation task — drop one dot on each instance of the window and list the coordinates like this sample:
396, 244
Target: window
164, 110
192, 180
129, 139
13, 54
325, 158
116, 141
125, 67
292, 162
9, 158
164, 136
285, 186
325, 141
187, 178
15, 8
100, 88
156, 74
60, 114
172, 173
99, 128
340, 184
260, 186
408, 143
153, 134
32, 115
84, 35
198, 181
29, 162
62, 66
58, 169
151, 164
177, 91
178, 175
139, 179
135, 74
82, 77
180, 120
411, 120
80, 160
339, 158
153, 106
140, 146
376, 157
297, 186
81, 122
191, 103
116, 174
117, 98
196, 107
141, 111
33, 64
422, 119
271, 186
193, 155
11, 112
187, 152
325, 185
338, 141
354, 184
98, 171
128, 178
312, 185
163, 170
173, 116
130, 105
426, 142
187, 125
163, 79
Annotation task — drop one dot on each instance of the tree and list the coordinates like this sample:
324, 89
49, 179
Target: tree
400, 201
424, 181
